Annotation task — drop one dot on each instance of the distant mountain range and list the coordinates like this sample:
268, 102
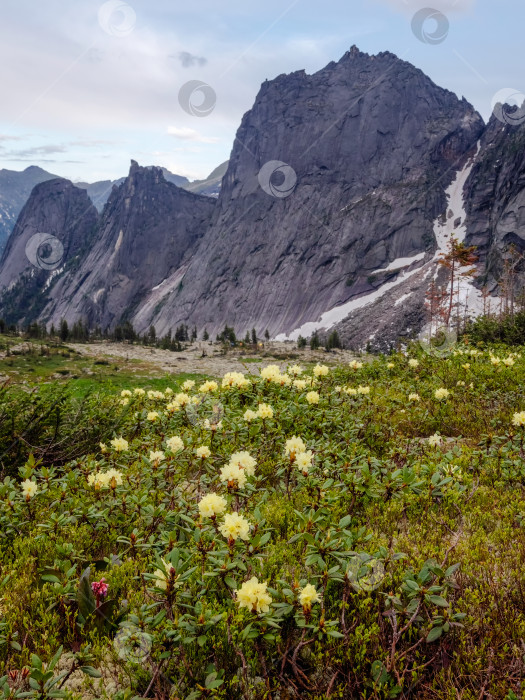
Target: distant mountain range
16, 186
342, 189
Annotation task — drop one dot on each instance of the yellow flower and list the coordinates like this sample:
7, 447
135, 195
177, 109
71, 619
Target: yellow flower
161, 578
155, 394
168, 391
173, 406
188, 384
124, 402
435, 440
508, 361
312, 397
113, 478
300, 384
270, 372
354, 364
265, 411
125, 392
119, 444
103, 447
208, 387
413, 363
321, 370
294, 446
414, 397
29, 488
235, 379
254, 596
303, 461
518, 419
157, 456
211, 505
495, 360
466, 365
441, 394
308, 596
175, 444
203, 452
139, 392
390, 365
235, 526
363, 389
182, 399
295, 370
350, 391
231, 473
250, 415
152, 416
245, 461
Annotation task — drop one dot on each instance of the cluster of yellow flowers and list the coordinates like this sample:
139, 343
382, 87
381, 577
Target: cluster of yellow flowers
264, 411
175, 444
442, 394
313, 397
212, 505
361, 390
119, 444
518, 419
272, 373
203, 452
254, 596
414, 397
354, 364
235, 379
161, 577
435, 440
295, 449
105, 480
240, 466
321, 370
413, 363
235, 526
208, 387
156, 456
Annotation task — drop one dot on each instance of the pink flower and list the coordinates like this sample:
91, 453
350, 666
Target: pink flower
100, 588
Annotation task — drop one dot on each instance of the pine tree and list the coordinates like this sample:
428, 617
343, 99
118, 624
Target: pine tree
64, 330
254, 337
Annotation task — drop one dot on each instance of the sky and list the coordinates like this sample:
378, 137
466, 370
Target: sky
89, 85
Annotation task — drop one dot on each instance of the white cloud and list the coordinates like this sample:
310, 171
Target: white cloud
409, 7
187, 134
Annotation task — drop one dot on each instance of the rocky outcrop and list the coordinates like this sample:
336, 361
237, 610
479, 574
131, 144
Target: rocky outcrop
147, 229
368, 146
495, 197
53, 233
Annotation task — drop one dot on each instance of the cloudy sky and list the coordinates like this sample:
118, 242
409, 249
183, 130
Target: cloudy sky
88, 85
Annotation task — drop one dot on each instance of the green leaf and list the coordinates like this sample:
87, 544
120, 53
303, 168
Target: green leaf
438, 600
435, 633
90, 671
85, 598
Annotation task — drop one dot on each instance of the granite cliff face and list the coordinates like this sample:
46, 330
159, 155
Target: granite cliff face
55, 230
341, 191
146, 230
372, 144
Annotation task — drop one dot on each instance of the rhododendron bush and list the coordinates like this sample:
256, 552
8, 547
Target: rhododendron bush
299, 532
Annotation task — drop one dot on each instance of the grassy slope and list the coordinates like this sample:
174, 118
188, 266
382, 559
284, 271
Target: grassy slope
376, 489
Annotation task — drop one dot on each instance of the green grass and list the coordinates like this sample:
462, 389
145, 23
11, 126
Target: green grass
415, 550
